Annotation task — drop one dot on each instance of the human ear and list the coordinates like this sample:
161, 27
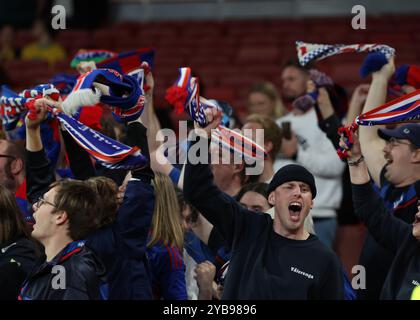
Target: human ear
16, 166
272, 198
60, 217
416, 156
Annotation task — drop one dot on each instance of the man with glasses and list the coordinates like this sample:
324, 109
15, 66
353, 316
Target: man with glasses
64, 216
12, 174
400, 239
392, 158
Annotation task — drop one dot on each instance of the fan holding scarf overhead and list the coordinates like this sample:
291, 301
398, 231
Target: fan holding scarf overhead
184, 95
401, 110
108, 152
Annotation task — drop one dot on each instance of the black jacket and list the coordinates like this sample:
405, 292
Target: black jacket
74, 274
121, 246
264, 265
394, 235
17, 258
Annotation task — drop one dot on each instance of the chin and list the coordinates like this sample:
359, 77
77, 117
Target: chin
35, 235
416, 233
389, 177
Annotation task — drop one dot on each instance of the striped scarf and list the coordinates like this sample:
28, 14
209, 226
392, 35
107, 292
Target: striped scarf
184, 95
400, 110
308, 52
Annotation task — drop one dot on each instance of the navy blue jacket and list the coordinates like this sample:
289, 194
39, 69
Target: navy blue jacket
120, 246
83, 275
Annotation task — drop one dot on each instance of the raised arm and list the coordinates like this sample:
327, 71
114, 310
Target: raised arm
369, 207
80, 162
217, 207
329, 122
149, 115
135, 214
357, 101
39, 172
370, 142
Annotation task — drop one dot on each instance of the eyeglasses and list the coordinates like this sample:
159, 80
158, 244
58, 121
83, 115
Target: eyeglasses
40, 201
394, 142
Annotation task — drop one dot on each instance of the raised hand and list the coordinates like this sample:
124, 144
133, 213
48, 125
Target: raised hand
204, 274
86, 66
149, 84
386, 71
354, 151
213, 118
37, 113
360, 94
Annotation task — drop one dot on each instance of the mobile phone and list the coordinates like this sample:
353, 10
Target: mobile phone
286, 128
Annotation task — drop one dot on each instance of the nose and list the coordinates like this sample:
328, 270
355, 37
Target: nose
296, 191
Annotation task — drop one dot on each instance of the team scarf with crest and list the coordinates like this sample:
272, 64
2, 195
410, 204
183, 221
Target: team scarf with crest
184, 95
125, 94
401, 110
108, 152
308, 52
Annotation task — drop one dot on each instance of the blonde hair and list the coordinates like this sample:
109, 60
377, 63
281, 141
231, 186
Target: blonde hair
269, 90
166, 225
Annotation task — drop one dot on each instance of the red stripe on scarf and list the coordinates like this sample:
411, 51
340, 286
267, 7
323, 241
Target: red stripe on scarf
405, 97
21, 191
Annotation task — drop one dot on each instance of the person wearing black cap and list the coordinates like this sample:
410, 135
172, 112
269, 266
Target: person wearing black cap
271, 259
401, 239
391, 158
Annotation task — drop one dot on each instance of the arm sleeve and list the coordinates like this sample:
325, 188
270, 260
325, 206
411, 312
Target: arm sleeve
330, 126
39, 174
217, 207
80, 162
134, 217
216, 241
387, 230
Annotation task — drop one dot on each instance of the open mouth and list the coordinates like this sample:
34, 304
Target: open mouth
294, 210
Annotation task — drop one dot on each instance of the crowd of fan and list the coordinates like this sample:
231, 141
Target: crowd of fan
210, 231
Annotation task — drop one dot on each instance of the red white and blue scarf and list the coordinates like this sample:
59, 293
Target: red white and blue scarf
126, 97
308, 52
13, 105
108, 152
400, 110
184, 95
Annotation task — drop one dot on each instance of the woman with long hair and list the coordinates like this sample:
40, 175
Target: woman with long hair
18, 251
165, 243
